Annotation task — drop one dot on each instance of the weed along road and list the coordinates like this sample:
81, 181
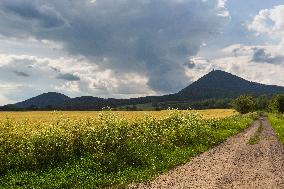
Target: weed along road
252, 159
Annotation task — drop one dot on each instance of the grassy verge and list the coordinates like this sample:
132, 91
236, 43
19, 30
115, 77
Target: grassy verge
277, 122
256, 137
108, 151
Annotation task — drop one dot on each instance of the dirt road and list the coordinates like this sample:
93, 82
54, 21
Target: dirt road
234, 164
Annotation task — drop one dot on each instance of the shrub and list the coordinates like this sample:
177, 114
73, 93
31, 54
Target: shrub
244, 104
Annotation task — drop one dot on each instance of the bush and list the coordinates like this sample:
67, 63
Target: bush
244, 104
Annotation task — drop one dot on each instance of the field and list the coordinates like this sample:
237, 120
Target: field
102, 149
277, 122
130, 115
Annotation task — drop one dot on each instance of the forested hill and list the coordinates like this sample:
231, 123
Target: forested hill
45, 100
219, 84
214, 90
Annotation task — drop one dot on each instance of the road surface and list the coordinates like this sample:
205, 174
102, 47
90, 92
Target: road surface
233, 164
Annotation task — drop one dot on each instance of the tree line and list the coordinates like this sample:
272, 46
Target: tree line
247, 103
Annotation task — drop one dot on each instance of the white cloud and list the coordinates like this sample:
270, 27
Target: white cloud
243, 67
28, 76
5, 90
222, 7
269, 22
4, 100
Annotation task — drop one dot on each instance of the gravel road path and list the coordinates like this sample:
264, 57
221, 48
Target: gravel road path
233, 164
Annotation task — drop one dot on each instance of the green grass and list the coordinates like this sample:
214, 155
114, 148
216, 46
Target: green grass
106, 152
256, 137
277, 122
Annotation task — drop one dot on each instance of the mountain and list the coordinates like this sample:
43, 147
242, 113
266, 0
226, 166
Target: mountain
219, 84
45, 100
214, 90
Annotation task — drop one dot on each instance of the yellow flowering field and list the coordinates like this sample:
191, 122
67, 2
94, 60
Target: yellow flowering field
48, 116
105, 149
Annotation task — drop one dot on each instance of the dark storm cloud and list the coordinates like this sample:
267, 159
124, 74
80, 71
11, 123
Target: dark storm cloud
45, 15
149, 37
260, 55
189, 64
21, 74
18, 67
55, 69
68, 77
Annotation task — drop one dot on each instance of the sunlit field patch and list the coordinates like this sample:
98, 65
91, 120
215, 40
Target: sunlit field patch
47, 116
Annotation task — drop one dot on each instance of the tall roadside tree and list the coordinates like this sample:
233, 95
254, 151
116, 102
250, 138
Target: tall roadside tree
262, 102
277, 104
244, 104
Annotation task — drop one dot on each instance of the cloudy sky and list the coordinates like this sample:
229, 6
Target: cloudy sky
130, 48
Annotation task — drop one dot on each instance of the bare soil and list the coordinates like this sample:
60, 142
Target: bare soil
233, 164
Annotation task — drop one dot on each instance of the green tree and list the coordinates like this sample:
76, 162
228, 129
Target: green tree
277, 104
244, 104
262, 102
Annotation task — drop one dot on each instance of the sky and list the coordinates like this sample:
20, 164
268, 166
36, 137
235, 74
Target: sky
132, 48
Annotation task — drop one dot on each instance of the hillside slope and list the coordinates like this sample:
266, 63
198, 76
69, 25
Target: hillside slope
219, 84
50, 99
